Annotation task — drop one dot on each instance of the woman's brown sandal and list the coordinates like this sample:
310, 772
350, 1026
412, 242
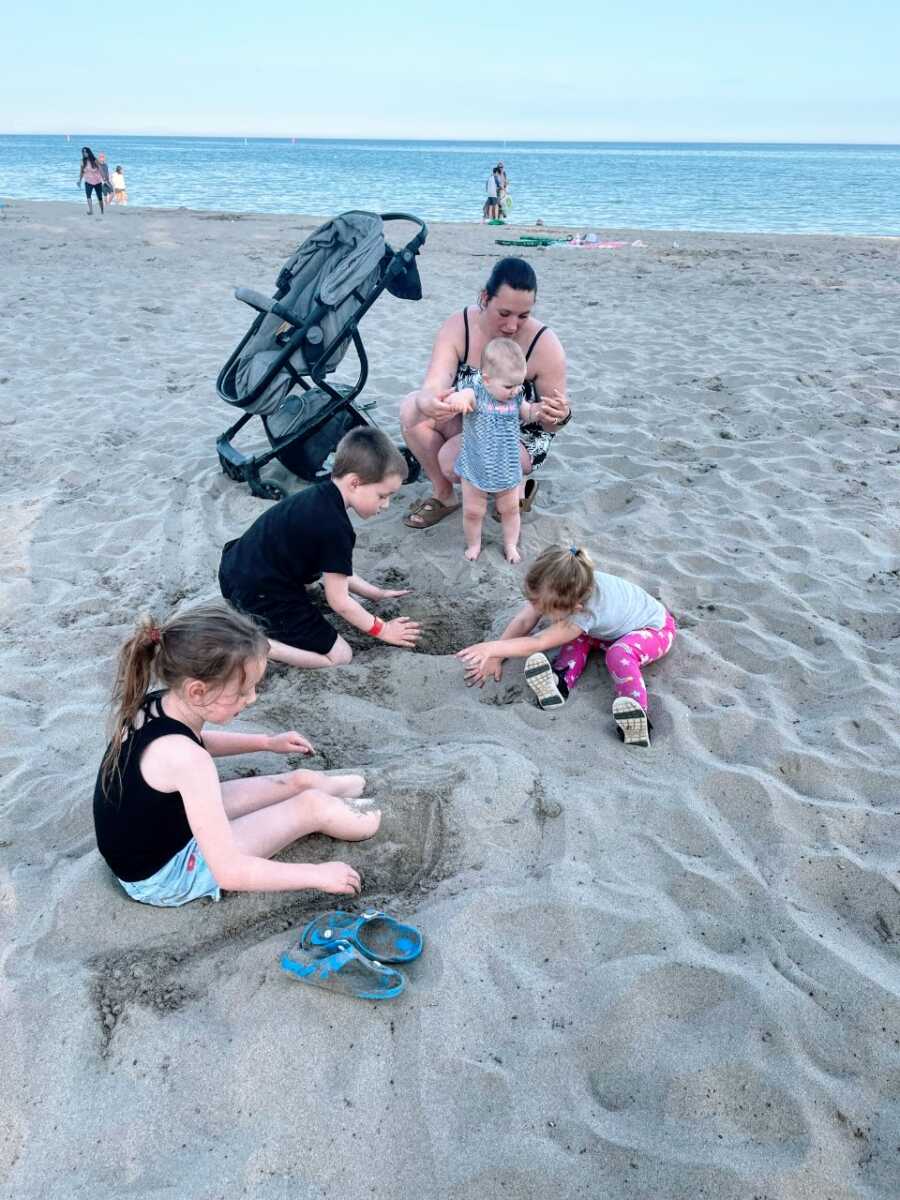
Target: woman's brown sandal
525, 504
428, 512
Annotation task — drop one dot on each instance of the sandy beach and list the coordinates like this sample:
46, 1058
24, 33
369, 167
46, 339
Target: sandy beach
662, 974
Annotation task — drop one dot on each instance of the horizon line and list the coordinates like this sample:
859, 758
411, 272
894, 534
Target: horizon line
279, 137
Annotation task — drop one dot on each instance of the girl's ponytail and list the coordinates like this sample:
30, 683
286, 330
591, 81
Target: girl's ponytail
211, 643
134, 671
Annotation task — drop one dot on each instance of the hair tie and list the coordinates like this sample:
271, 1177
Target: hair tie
573, 550
154, 634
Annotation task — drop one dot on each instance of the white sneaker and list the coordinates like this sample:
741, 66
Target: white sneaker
541, 678
631, 722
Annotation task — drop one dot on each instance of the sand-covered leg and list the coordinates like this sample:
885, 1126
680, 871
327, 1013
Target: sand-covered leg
474, 508
511, 523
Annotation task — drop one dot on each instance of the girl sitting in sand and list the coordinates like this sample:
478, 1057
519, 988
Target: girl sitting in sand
169, 830
589, 610
489, 461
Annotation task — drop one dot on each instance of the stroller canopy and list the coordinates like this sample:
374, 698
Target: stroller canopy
320, 291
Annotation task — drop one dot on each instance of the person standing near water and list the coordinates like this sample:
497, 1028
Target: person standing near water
92, 177
490, 204
106, 186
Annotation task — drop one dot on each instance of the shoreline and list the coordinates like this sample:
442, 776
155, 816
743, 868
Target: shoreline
611, 231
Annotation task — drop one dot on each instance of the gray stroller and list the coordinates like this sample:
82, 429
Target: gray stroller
279, 370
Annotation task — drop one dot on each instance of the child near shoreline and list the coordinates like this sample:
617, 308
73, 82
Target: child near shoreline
168, 829
119, 191
489, 461
267, 570
589, 610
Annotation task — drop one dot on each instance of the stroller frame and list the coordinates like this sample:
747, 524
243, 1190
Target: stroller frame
245, 469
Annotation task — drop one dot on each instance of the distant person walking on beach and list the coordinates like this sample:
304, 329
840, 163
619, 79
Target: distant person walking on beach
104, 171
119, 189
92, 177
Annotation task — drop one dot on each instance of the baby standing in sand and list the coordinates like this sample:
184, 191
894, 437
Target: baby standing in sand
489, 461
590, 610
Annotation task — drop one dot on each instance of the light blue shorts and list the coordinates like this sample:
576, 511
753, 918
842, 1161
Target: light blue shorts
184, 878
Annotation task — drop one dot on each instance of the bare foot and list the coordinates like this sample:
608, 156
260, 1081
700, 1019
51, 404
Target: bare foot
342, 820
512, 554
349, 786
472, 552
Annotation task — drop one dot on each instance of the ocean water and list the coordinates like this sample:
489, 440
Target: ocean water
589, 185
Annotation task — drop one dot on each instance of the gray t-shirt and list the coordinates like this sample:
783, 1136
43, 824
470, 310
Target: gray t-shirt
616, 607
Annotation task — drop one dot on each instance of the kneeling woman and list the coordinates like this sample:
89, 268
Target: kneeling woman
431, 427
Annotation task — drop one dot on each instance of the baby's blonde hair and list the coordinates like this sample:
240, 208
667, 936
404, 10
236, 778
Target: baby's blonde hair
560, 577
502, 354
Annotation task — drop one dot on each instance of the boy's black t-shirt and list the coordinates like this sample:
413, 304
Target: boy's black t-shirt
290, 545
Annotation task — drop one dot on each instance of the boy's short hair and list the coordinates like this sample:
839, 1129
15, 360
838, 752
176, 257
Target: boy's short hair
369, 454
502, 353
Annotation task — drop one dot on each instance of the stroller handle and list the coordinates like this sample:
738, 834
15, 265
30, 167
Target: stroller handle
419, 239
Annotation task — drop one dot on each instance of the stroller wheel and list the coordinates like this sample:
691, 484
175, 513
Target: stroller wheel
415, 467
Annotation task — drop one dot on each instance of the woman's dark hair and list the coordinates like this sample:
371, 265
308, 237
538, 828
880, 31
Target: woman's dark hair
515, 273
87, 155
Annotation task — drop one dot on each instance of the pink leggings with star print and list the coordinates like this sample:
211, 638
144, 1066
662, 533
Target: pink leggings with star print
624, 658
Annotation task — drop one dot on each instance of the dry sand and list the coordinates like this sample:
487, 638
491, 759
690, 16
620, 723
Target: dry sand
665, 974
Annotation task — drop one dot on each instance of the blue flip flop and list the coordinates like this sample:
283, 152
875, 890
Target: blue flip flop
343, 969
375, 934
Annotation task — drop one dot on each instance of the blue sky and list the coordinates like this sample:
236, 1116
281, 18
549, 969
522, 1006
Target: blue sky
789, 71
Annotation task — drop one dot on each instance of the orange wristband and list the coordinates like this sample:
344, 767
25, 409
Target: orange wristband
377, 626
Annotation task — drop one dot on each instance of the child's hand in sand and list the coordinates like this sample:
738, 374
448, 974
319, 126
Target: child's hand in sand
402, 631
391, 593
478, 676
336, 877
476, 658
290, 743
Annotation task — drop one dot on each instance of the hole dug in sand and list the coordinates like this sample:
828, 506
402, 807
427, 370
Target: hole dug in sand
414, 849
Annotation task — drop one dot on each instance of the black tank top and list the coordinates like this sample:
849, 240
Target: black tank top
465, 372
138, 828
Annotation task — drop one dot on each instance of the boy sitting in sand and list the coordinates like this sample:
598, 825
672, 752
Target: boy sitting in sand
489, 462
267, 570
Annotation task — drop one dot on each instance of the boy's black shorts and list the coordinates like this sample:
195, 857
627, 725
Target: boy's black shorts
293, 619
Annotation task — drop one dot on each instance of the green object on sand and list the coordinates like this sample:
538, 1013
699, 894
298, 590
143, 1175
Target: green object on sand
531, 240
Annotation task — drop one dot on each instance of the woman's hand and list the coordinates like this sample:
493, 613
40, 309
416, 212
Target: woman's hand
478, 676
290, 743
441, 405
555, 407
